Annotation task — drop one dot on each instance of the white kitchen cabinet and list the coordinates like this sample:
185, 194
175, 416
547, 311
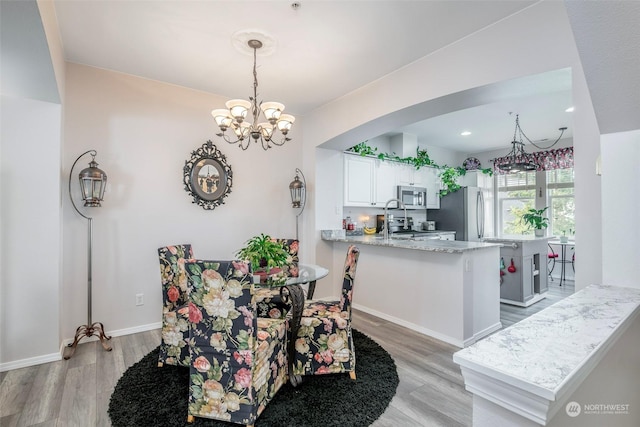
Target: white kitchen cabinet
408, 175
358, 180
432, 184
368, 181
385, 182
476, 178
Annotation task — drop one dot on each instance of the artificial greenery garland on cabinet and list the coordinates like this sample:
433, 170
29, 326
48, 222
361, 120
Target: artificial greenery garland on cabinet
448, 174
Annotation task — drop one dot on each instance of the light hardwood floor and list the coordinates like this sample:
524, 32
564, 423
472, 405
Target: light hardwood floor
76, 392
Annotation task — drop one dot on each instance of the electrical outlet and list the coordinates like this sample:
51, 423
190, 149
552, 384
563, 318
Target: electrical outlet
139, 299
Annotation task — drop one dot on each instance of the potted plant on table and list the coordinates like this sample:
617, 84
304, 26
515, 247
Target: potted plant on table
535, 219
266, 255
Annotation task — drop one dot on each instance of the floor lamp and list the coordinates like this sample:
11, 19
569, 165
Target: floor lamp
298, 195
92, 184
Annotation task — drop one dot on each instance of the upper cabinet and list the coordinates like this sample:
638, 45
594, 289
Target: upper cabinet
368, 181
372, 182
476, 178
410, 176
432, 184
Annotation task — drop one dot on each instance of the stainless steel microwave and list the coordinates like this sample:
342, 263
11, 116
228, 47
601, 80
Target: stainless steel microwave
413, 197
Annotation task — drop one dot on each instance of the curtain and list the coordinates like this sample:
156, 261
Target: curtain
560, 158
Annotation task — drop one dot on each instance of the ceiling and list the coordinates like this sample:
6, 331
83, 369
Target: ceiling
314, 54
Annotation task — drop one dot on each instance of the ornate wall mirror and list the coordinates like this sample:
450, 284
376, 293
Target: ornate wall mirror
207, 176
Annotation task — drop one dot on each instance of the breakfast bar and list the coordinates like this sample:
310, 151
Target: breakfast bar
449, 290
567, 358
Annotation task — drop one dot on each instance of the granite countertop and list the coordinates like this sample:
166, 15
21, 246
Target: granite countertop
516, 238
545, 352
445, 246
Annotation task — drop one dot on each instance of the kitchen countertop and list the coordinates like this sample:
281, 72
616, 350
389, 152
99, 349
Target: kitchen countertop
516, 238
547, 353
445, 246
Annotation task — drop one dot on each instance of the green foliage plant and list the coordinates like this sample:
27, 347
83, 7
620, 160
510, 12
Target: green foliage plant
263, 252
535, 218
448, 175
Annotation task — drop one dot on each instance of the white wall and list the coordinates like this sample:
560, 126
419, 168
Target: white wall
621, 208
144, 131
30, 231
538, 39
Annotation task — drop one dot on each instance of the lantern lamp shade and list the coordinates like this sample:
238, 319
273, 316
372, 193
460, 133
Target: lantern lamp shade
92, 183
297, 192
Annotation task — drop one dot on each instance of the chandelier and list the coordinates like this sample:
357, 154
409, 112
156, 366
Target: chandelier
518, 159
234, 116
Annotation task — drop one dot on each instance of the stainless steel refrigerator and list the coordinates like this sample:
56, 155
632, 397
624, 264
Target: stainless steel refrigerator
468, 212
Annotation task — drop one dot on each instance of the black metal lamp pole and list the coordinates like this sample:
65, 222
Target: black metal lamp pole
92, 183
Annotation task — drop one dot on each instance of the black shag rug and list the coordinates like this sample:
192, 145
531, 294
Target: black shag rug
150, 396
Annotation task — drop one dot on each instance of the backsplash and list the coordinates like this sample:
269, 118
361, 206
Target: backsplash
367, 216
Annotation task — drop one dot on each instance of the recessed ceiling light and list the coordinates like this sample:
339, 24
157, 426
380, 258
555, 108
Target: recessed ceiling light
569, 110
465, 133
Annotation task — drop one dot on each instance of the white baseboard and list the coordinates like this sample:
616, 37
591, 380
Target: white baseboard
31, 361
412, 326
54, 357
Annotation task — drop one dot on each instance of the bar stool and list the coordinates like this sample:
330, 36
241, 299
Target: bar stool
551, 260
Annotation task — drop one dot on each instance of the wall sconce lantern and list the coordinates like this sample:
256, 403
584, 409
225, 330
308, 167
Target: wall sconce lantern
298, 191
92, 185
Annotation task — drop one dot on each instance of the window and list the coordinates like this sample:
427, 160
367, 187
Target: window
561, 202
516, 194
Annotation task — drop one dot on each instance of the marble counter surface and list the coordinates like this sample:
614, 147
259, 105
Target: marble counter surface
542, 354
443, 246
516, 238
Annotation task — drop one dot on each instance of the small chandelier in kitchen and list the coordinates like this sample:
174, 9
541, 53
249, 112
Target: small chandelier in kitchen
518, 159
234, 116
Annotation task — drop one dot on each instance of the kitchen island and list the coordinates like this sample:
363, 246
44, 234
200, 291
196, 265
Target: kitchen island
449, 290
523, 264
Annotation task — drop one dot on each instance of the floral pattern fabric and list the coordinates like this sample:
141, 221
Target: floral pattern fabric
175, 312
269, 302
324, 343
239, 361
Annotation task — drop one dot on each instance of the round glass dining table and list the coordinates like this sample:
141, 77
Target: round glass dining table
308, 273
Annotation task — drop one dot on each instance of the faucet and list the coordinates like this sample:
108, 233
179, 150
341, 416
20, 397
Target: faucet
385, 227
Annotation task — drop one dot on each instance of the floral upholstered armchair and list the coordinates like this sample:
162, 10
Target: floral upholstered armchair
269, 302
175, 313
324, 344
238, 361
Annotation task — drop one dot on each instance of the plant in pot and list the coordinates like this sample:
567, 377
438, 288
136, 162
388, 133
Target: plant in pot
535, 219
267, 257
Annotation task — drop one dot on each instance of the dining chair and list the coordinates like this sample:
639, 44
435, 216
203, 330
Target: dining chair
175, 312
268, 299
324, 343
551, 257
238, 360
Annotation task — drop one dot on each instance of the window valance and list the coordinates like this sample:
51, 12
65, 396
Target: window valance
560, 158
